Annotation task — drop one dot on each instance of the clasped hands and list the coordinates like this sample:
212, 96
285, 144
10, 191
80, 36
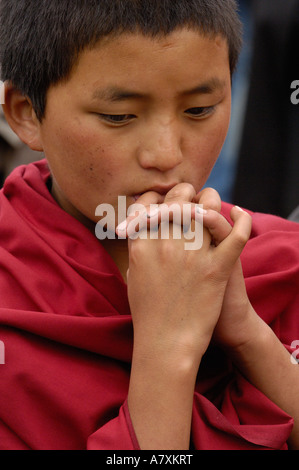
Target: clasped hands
182, 299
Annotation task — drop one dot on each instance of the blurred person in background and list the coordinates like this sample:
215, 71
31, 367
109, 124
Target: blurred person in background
223, 175
259, 165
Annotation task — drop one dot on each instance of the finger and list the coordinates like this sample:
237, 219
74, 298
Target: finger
209, 198
231, 247
175, 212
166, 215
146, 209
150, 198
217, 225
172, 212
146, 200
183, 192
175, 207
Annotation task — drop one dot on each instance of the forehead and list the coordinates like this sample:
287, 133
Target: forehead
183, 58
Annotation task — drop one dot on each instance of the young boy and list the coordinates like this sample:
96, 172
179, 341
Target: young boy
132, 98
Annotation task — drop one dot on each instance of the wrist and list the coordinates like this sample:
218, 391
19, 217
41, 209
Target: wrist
251, 346
166, 358
234, 331
159, 384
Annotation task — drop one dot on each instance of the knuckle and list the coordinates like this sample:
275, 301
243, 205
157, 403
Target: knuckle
249, 218
137, 250
181, 191
210, 198
171, 251
240, 238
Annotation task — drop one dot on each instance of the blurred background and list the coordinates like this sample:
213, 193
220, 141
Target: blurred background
259, 165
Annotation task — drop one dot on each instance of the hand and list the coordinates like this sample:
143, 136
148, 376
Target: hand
139, 213
177, 294
163, 290
237, 317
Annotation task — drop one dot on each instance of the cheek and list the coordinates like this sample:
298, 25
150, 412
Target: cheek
205, 152
216, 135
89, 162
73, 150
211, 143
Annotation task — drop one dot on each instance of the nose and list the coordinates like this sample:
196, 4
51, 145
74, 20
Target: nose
161, 147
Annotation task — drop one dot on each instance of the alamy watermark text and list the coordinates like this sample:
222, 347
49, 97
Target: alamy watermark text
295, 93
2, 353
2, 93
142, 226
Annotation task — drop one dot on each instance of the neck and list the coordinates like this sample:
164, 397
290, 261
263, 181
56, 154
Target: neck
119, 252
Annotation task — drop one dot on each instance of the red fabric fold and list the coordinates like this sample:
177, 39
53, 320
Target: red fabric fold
66, 326
116, 434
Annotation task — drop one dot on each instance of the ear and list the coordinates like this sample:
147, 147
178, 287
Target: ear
21, 117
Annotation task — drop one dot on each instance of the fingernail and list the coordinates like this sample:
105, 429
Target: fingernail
122, 227
152, 212
239, 208
200, 210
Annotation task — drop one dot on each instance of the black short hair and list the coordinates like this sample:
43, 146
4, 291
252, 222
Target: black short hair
40, 40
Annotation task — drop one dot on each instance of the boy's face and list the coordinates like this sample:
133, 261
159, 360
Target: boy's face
137, 114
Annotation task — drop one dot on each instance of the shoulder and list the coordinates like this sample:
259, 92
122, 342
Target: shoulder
270, 264
272, 250
263, 225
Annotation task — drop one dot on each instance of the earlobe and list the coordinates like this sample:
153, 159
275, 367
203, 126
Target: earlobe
21, 117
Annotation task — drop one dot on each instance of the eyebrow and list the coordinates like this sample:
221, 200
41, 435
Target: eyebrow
207, 88
114, 94
117, 94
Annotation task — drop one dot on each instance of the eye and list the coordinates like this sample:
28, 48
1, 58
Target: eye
200, 112
116, 119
